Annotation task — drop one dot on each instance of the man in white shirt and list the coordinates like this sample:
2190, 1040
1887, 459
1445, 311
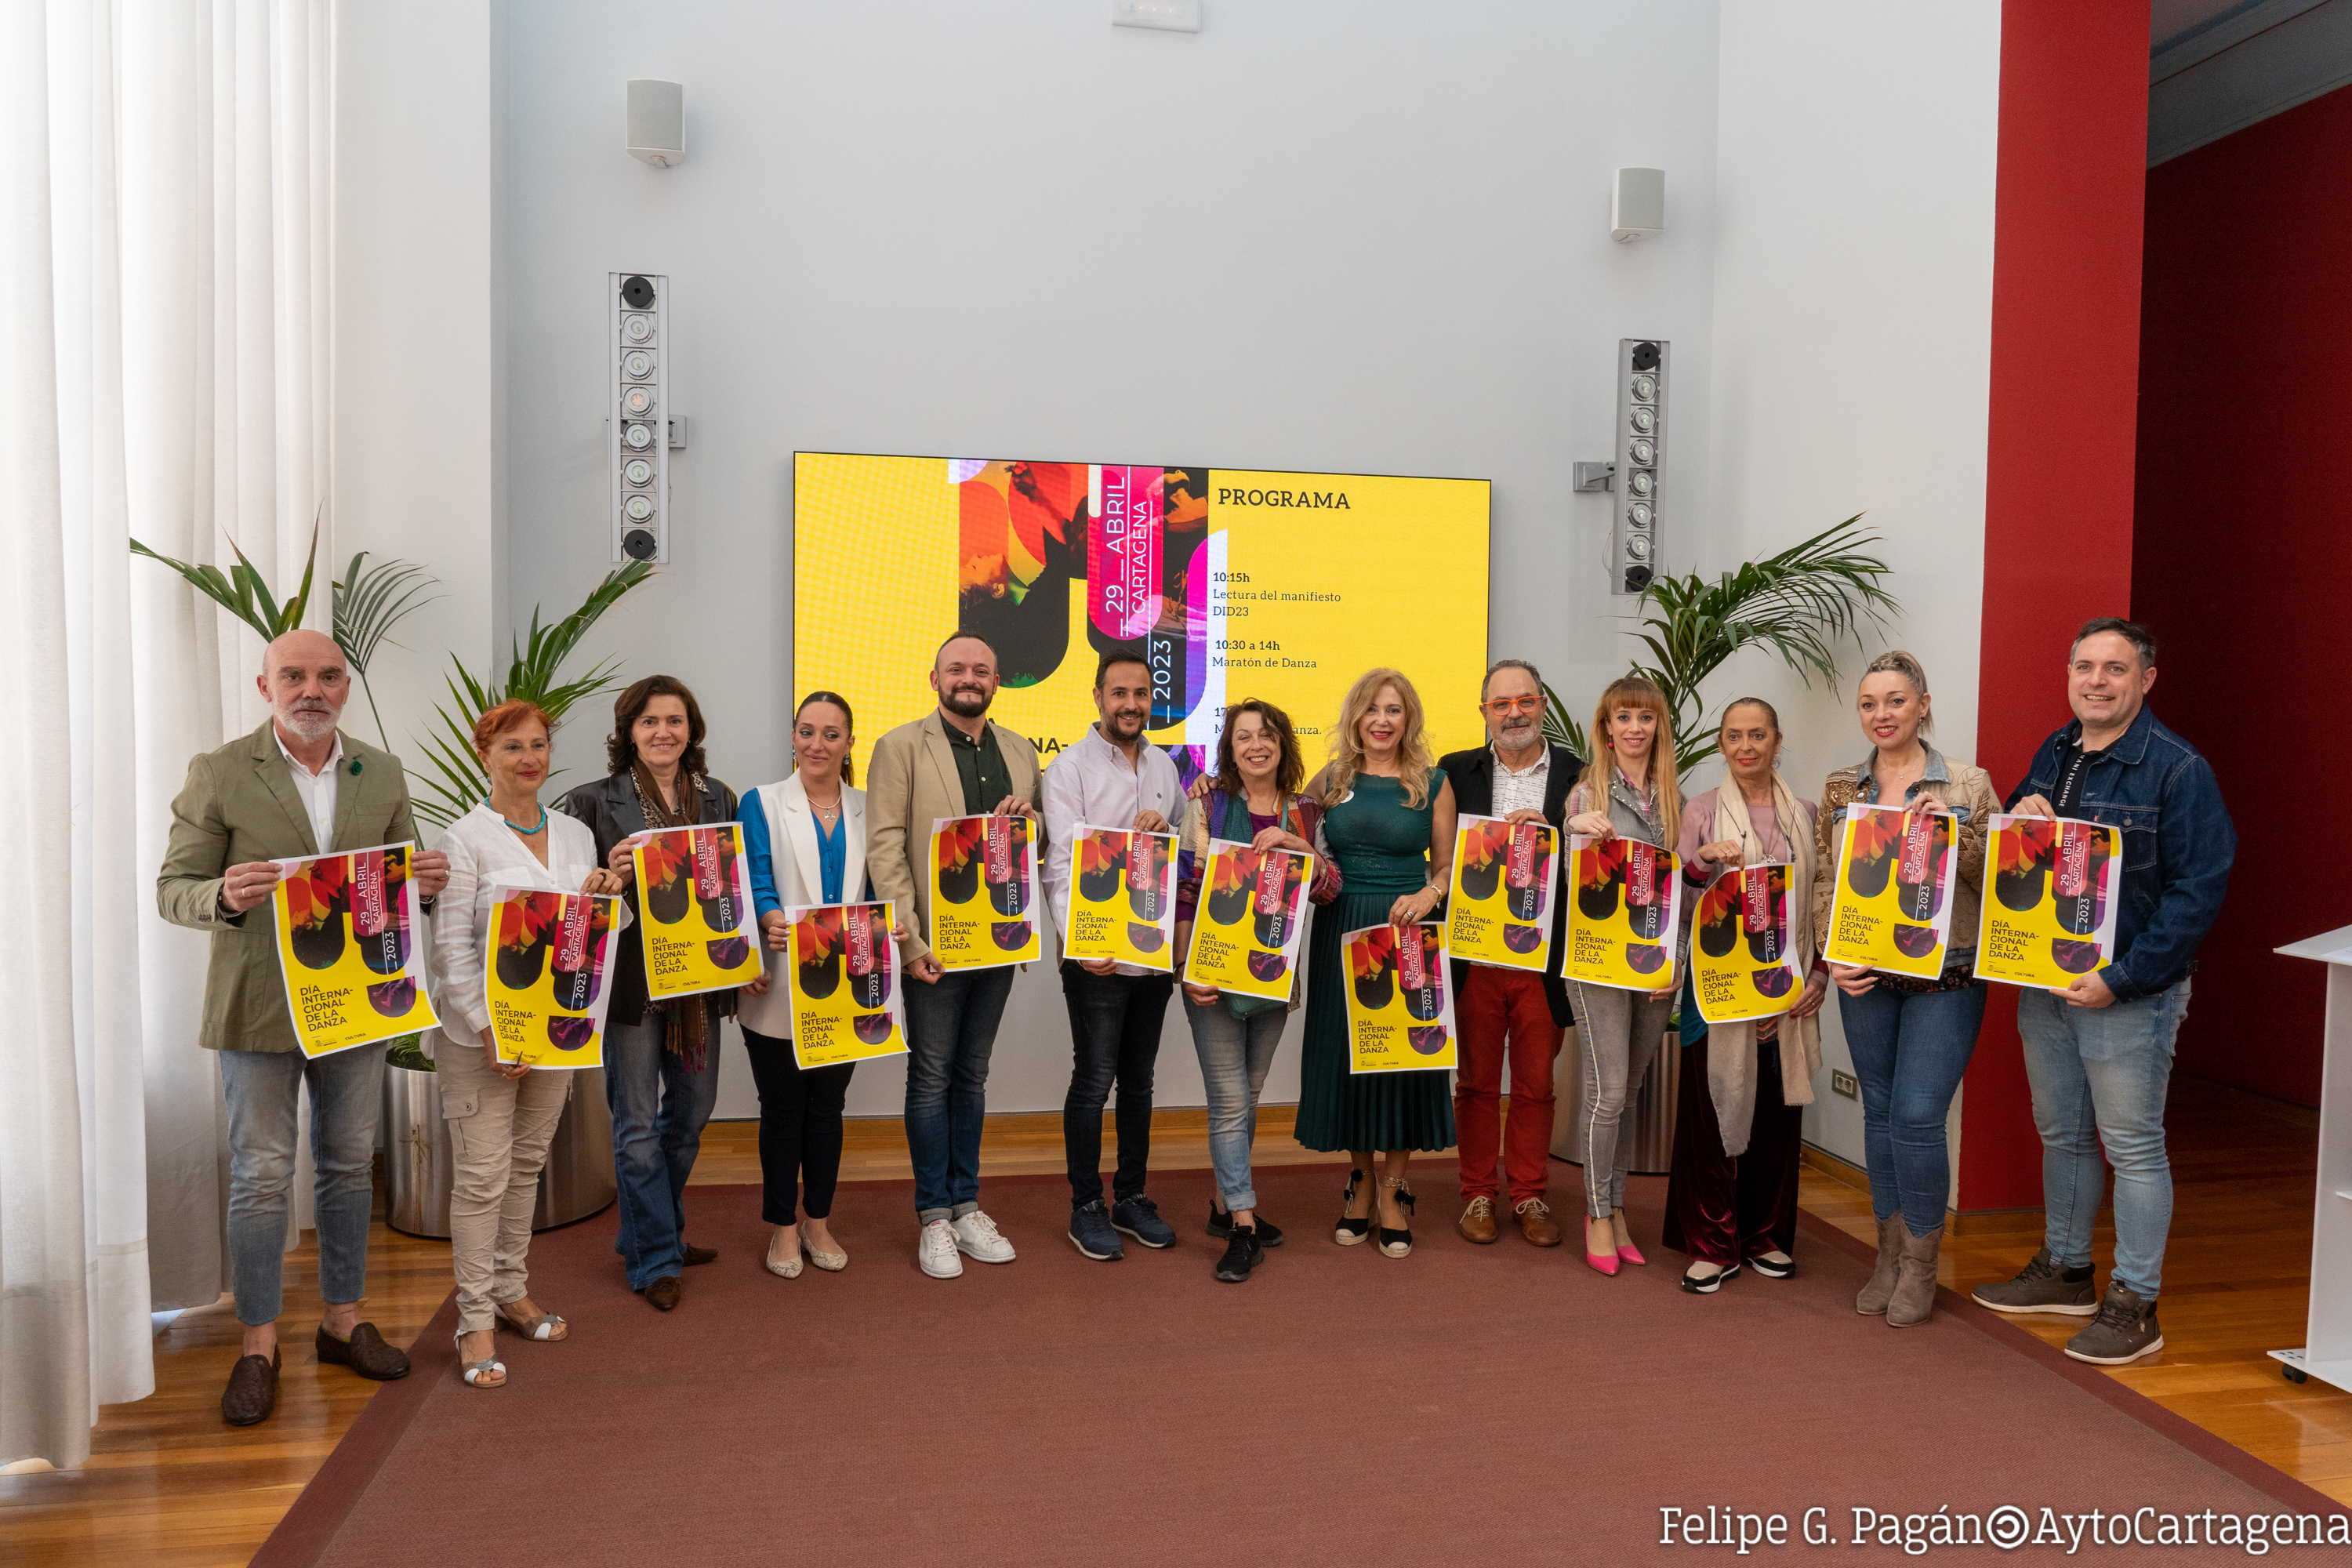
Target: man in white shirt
1112, 778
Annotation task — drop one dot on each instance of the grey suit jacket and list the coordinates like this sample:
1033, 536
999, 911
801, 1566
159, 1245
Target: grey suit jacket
913, 782
239, 805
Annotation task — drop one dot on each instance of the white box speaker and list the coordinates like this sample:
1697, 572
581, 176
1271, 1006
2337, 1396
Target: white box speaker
1637, 205
657, 122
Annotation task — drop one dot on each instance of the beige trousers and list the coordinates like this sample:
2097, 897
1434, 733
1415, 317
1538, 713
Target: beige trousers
499, 1129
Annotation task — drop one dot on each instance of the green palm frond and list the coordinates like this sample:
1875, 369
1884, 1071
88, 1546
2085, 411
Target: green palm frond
242, 590
456, 779
368, 604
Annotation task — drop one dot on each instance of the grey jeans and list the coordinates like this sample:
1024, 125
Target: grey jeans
1621, 1030
346, 1101
499, 1129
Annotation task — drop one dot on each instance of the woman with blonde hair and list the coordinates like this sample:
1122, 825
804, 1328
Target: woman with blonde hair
1910, 1038
1388, 823
1631, 789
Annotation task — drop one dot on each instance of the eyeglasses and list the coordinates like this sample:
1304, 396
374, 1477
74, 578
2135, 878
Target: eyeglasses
1499, 706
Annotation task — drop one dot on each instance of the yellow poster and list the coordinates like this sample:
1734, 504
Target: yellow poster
1122, 897
694, 903
1253, 911
1743, 962
846, 1005
1226, 582
2051, 916
1622, 915
1399, 1015
1504, 878
544, 981
1892, 907
983, 891
350, 947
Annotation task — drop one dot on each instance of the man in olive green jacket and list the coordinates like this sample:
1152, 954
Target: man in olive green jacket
294, 788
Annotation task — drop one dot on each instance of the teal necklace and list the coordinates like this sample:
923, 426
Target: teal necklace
534, 828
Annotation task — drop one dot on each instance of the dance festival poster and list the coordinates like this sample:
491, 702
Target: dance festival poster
983, 891
1122, 897
1253, 911
694, 895
1743, 962
847, 1002
1892, 907
1399, 1015
1505, 876
544, 981
350, 946
2051, 916
1621, 917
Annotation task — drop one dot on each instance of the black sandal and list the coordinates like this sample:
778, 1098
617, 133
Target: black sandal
1398, 1243
1349, 1232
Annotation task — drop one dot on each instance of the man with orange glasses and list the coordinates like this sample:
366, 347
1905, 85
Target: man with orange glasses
1509, 1012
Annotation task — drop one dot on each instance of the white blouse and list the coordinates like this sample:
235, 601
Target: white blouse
483, 850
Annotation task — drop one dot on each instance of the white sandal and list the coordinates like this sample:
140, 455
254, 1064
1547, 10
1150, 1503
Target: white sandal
474, 1370
542, 1328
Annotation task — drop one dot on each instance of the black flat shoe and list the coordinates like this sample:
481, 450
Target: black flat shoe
252, 1391
1349, 1232
1221, 1225
1710, 1284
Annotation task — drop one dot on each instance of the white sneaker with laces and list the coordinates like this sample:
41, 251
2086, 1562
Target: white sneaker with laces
938, 1251
976, 1236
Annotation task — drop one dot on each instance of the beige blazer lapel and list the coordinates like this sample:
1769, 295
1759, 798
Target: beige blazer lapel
271, 768
800, 830
347, 797
935, 746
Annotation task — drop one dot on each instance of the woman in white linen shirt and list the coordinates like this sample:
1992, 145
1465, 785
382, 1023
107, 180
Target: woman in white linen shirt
501, 1116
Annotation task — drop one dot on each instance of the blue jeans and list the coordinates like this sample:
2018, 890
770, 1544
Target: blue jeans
950, 1030
346, 1102
658, 1112
1234, 1056
1909, 1052
1115, 1025
2099, 1076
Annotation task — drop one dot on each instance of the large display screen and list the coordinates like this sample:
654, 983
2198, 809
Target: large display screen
1228, 583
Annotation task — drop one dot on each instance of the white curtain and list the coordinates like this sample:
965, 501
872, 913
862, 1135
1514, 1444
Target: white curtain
164, 265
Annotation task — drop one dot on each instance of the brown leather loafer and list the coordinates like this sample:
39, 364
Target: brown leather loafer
364, 1353
252, 1391
664, 1293
1535, 1222
696, 1255
1477, 1222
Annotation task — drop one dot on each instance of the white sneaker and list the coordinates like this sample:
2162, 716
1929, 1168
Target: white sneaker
938, 1251
976, 1236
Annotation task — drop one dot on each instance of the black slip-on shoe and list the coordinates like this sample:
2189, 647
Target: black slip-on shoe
252, 1391
364, 1353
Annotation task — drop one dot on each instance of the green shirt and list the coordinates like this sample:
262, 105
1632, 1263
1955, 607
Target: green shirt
980, 766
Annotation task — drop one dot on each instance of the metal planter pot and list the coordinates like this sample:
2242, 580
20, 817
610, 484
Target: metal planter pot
1647, 1128
420, 1165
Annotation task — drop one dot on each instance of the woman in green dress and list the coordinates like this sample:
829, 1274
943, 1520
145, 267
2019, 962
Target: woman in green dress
1389, 822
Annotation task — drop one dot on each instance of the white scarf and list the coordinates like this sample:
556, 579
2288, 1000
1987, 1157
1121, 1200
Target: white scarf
1731, 1048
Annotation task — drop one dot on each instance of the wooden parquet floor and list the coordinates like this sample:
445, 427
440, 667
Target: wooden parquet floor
169, 1484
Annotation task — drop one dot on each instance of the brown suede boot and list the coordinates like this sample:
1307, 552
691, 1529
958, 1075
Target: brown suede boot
1914, 1280
1871, 1301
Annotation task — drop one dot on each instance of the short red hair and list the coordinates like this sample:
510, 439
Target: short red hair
505, 717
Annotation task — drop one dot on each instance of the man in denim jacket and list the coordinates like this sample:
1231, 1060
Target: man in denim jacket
2099, 1055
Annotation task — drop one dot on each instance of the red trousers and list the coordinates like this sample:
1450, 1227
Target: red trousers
1502, 1010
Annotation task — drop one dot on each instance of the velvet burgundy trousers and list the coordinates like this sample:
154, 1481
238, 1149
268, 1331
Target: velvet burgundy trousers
1718, 1209
1499, 1012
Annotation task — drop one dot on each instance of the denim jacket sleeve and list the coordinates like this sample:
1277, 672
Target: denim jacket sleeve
2195, 845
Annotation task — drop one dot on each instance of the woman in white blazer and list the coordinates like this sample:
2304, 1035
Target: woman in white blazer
805, 838
501, 1116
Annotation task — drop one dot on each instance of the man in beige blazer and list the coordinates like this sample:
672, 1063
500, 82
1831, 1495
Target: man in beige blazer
295, 787
950, 762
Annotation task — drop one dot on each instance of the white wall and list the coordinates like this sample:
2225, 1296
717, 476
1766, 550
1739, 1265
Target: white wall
1852, 329
1366, 238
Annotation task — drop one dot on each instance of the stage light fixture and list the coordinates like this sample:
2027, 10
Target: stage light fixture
637, 448
1635, 548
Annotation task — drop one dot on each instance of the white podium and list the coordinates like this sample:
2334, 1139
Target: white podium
2326, 1353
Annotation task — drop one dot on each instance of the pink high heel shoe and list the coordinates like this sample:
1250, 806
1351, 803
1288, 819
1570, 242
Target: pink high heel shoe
1601, 1262
1631, 1254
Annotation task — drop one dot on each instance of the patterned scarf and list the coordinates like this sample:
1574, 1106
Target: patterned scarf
688, 1018
1731, 1048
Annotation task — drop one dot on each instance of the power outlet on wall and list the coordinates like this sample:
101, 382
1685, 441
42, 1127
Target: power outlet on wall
1842, 1083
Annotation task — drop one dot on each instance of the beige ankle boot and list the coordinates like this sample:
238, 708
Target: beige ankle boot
1871, 1301
1914, 1279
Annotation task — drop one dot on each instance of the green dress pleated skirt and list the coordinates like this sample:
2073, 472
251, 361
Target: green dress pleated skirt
1383, 847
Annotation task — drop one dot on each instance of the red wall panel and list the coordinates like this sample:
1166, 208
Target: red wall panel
2061, 438
2242, 552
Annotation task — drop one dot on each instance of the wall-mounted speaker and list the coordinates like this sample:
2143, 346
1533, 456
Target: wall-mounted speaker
657, 122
